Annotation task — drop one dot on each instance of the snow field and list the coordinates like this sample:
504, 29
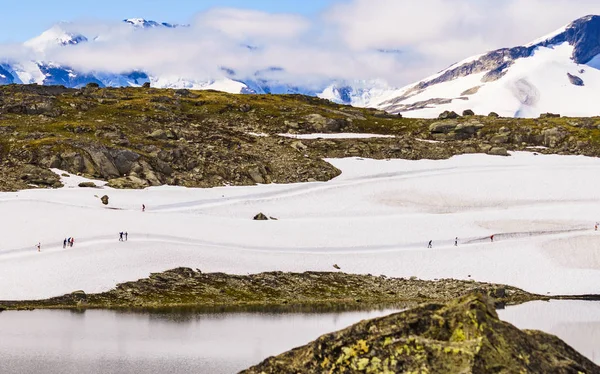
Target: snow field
377, 218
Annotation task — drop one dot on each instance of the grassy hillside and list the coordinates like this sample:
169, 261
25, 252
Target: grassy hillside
137, 137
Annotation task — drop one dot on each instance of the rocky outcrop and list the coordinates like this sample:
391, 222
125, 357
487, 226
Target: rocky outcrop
462, 336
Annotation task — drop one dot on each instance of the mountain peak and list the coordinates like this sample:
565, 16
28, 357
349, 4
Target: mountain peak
57, 35
147, 24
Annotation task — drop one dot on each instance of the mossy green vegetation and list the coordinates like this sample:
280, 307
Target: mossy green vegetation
185, 287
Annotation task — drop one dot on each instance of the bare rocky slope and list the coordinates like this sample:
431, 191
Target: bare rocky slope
462, 336
139, 137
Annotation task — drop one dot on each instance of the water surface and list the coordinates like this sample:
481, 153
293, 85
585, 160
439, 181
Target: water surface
176, 341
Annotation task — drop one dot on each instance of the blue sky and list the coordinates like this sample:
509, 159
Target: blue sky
24, 19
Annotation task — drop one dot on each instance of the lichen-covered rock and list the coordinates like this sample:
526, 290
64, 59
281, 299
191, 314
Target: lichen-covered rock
461, 336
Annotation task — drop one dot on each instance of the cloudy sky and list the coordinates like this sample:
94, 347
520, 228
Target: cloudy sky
398, 41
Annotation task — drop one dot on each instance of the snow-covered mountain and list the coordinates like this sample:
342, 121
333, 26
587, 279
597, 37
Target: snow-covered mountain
558, 73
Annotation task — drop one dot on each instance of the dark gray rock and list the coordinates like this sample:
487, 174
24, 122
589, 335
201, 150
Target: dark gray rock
448, 115
575, 80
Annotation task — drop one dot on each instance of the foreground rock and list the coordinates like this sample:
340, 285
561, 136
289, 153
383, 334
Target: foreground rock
462, 336
186, 287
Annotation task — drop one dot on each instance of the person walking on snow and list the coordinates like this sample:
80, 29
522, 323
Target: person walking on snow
456, 241
143, 208
596, 227
121, 236
65, 243
39, 246
430, 245
125, 235
492, 238
72, 241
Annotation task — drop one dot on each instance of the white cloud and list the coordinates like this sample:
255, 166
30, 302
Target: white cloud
341, 43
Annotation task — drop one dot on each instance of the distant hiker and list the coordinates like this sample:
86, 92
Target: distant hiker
430, 245
596, 227
121, 236
143, 208
39, 246
492, 238
72, 241
456, 241
125, 235
65, 243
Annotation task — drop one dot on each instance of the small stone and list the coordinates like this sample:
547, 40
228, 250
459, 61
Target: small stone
104, 199
261, 217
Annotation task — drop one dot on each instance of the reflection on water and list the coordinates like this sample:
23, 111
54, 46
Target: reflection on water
219, 340
176, 341
575, 322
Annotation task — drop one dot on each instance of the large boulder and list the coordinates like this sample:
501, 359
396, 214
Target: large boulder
323, 124
124, 160
469, 128
129, 182
498, 151
103, 161
442, 127
448, 115
462, 336
41, 177
554, 136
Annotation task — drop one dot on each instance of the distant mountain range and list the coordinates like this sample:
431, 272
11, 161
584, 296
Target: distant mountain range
557, 73
50, 73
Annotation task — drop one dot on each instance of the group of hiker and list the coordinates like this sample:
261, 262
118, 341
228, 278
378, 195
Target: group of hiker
68, 242
430, 244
